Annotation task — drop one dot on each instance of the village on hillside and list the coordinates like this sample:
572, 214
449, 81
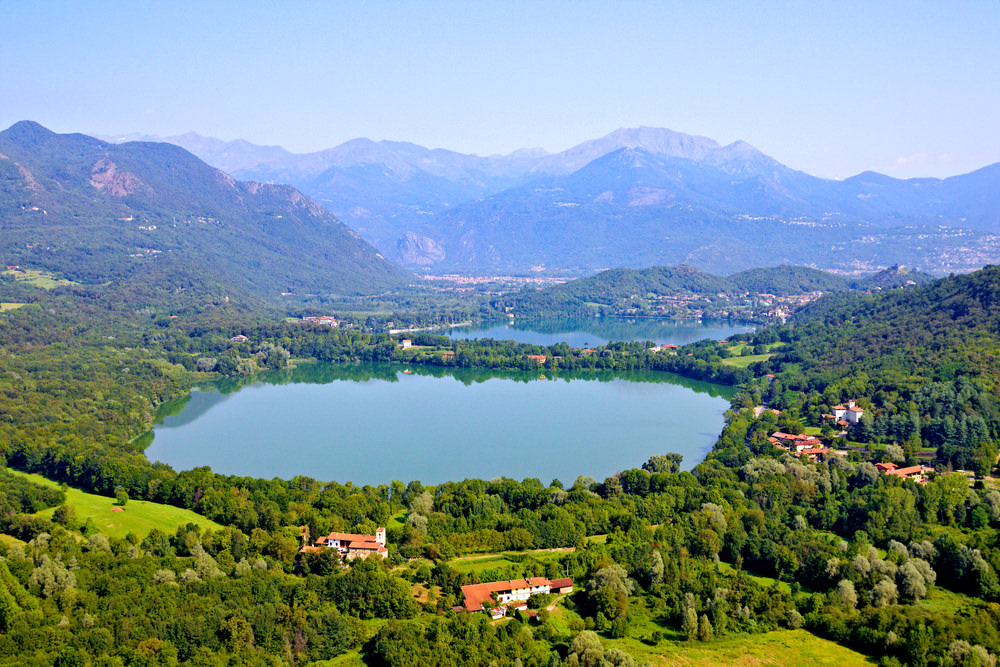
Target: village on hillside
843, 418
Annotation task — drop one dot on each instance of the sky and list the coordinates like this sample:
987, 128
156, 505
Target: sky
832, 88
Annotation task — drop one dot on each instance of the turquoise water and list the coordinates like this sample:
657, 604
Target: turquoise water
588, 332
373, 423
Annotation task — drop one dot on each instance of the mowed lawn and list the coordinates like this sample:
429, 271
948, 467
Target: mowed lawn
139, 517
779, 647
478, 563
743, 362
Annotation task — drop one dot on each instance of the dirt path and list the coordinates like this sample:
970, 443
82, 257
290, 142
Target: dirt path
552, 606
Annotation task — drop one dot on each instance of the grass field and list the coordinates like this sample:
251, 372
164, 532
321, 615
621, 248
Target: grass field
10, 539
397, 520
743, 362
139, 517
10, 306
37, 278
480, 562
941, 599
780, 647
766, 582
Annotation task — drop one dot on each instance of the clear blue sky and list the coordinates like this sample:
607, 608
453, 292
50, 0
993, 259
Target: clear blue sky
833, 88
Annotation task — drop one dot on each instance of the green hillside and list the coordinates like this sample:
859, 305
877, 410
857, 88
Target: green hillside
137, 516
92, 212
925, 361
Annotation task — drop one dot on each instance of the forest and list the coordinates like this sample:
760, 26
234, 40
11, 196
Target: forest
749, 542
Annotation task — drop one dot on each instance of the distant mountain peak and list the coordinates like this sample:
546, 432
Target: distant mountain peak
28, 130
536, 152
23, 126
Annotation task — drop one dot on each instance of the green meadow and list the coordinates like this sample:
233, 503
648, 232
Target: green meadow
139, 516
37, 278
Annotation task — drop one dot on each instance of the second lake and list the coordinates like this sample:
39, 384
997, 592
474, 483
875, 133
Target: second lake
592, 331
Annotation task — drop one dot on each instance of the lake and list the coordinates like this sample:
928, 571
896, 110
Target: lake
373, 423
591, 331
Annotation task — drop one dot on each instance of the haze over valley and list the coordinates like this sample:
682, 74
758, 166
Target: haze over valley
634, 198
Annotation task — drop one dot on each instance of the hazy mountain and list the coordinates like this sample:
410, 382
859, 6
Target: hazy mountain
96, 212
636, 197
635, 209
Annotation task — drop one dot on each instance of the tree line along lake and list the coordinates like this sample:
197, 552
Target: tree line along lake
373, 423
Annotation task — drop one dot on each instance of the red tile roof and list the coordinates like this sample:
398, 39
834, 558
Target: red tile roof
349, 537
812, 452
477, 594
906, 472
315, 550
364, 544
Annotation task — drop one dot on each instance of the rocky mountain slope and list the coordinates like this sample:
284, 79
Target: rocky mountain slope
94, 212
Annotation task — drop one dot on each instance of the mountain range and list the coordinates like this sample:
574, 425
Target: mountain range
634, 198
154, 214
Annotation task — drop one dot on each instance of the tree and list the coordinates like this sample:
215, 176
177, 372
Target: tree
912, 586
884, 593
895, 453
992, 503
422, 504
619, 627
121, 496
689, 622
587, 648
866, 474
613, 576
656, 569
705, 633
846, 595
51, 576
919, 643
65, 515
663, 463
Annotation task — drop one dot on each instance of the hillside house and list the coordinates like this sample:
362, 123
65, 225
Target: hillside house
511, 592
799, 445
811, 454
406, 343
353, 546
849, 413
916, 473
794, 442
238, 339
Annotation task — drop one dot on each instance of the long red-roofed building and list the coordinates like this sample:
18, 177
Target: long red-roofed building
512, 590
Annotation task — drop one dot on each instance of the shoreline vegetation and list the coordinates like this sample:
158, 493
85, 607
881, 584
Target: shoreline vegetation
749, 542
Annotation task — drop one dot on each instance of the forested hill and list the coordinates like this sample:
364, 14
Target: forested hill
617, 285
93, 212
940, 330
924, 362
